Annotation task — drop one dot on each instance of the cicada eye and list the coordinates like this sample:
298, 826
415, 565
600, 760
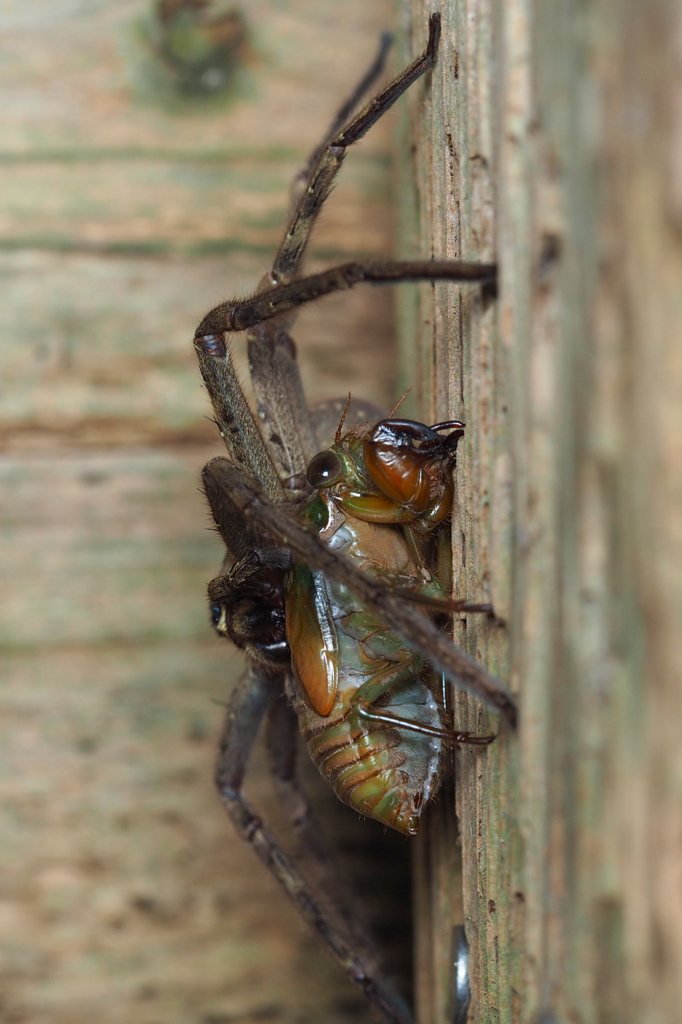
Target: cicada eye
324, 469
216, 612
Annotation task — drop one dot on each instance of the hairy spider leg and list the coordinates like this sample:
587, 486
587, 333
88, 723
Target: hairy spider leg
233, 417
234, 316
404, 667
453, 736
272, 353
272, 358
248, 704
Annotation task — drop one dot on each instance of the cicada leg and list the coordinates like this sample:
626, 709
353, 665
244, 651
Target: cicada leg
248, 705
405, 665
450, 735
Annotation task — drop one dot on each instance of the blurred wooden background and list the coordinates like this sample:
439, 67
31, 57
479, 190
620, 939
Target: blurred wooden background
549, 136
126, 210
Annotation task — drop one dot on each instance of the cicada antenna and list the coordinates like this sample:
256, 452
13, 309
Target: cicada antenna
337, 436
398, 404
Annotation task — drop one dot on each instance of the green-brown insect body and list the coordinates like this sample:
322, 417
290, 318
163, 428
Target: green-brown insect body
367, 712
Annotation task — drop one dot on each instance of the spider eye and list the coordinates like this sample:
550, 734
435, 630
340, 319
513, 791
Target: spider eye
216, 612
324, 469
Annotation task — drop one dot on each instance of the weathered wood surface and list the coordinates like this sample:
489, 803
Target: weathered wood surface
458, 373
125, 214
550, 138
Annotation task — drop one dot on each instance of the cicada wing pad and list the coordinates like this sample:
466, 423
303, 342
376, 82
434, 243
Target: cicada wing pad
279, 523
312, 637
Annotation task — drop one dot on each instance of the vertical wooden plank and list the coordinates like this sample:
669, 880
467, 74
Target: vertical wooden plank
461, 373
568, 496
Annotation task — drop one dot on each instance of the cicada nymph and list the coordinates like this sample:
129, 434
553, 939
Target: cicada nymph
366, 702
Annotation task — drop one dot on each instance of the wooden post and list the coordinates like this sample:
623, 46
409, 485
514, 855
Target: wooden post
550, 138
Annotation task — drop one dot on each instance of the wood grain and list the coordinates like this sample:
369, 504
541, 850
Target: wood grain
550, 138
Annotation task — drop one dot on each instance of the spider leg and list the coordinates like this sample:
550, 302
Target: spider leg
282, 408
242, 313
272, 353
281, 738
325, 164
417, 630
233, 416
249, 703
450, 735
